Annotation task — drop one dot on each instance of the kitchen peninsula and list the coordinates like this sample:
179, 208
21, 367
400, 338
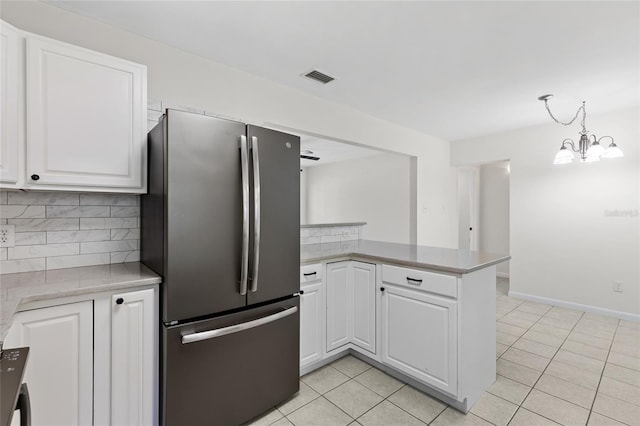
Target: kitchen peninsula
425, 315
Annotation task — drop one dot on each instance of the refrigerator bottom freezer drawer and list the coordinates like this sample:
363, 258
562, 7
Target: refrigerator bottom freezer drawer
227, 370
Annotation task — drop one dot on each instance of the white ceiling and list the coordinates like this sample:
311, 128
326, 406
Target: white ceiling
331, 151
451, 69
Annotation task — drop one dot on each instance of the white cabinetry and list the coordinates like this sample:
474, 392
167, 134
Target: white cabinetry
60, 367
312, 310
92, 361
351, 305
419, 336
85, 117
10, 134
132, 355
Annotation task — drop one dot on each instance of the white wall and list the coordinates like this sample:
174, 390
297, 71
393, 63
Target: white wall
185, 79
494, 211
375, 190
565, 242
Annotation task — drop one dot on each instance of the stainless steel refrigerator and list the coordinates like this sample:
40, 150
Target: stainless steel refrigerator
221, 224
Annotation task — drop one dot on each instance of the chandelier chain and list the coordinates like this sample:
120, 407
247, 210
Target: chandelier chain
582, 122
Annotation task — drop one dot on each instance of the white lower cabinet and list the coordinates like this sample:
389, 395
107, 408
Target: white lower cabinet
419, 336
60, 366
92, 361
311, 319
351, 305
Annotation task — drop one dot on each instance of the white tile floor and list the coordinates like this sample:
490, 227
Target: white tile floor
555, 366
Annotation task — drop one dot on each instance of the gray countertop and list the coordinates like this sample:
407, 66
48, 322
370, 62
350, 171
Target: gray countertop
435, 258
25, 287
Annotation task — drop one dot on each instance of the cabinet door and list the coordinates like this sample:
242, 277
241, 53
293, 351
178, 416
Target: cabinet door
364, 305
419, 336
339, 302
86, 118
132, 358
311, 308
60, 366
9, 104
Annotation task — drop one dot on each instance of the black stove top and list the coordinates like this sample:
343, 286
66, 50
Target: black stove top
12, 366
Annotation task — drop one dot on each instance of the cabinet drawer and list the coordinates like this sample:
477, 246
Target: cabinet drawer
309, 273
416, 279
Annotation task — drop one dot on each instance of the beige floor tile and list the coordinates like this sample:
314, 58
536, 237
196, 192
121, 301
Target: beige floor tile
589, 316
591, 365
525, 375
385, 414
573, 374
586, 350
452, 417
282, 422
624, 361
379, 382
350, 365
353, 398
577, 336
558, 312
500, 349
627, 338
626, 349
520, 319
617, 409
620, 390
319, 412
324, 379
629, 324
594, 331
418, 404
596, 419
266, 419
525, 417
555, 409
304, 396
561, 323
503, 327
494, 409
525, 358
535, 347
505, 339
534, 308
550, 330
622, 374
509, 389
568, 391
547, 339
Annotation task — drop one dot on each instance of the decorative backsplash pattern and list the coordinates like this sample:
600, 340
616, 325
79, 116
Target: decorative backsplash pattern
320, 234
55, 230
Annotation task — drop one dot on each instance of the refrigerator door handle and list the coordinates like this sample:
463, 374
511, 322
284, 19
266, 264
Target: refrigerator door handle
256, 211
206, 335
244, 263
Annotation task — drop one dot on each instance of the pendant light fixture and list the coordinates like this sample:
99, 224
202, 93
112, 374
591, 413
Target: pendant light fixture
588, 147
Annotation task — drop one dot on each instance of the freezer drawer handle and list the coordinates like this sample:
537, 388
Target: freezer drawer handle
205, 335
244, 264
256, 213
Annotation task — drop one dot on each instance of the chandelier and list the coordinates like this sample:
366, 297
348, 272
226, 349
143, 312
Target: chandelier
588, 147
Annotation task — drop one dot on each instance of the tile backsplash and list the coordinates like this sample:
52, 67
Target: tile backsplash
330, 233
55, 230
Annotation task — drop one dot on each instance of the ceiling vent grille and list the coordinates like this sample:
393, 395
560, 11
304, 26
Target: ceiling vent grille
309, 157
319, 77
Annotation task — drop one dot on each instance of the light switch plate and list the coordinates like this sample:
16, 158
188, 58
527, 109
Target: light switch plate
7, 235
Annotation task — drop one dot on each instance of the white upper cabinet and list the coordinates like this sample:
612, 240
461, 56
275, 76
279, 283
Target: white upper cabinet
9, 105
85, 115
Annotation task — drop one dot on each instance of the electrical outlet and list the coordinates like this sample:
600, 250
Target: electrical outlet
617, 286
7, 235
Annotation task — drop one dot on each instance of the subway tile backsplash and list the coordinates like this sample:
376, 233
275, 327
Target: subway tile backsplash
330, 234
55, 230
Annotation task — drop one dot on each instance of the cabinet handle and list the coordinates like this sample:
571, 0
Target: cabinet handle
119, 301
301, 292
415, 280
309, 274
35, 177
382, 289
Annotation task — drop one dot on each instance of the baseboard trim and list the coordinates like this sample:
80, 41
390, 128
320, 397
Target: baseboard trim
577, 306
502, 274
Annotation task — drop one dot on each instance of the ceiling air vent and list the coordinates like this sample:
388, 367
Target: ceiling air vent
319, 77
309, 157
